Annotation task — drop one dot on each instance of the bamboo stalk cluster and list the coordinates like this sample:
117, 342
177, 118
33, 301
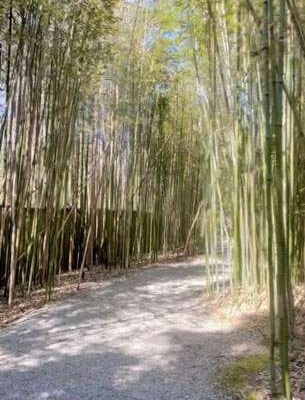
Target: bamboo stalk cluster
99, 161
252, 66
139, 127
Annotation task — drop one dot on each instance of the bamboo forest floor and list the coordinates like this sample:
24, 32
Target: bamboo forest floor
147, 335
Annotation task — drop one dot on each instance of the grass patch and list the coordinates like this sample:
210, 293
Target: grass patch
239, 375
251, 396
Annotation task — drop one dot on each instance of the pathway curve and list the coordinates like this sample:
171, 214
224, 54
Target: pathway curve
146, 336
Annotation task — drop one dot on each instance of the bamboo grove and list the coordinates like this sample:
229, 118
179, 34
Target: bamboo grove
98, 142
147, 126
249, 57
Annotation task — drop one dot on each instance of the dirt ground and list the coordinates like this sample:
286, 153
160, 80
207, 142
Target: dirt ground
148, 334
160, 313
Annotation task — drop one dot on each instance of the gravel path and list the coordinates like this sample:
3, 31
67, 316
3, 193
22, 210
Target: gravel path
146, 336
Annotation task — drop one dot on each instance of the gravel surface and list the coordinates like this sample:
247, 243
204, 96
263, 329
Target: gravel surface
145, 336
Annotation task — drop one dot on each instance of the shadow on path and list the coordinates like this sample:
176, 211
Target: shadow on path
147, 336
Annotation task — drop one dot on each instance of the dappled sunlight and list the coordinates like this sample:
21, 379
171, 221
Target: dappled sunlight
142, 329
241, 348
49, 394
150, 132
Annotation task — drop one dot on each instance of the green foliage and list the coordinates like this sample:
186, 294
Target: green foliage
251, 396
239, 374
